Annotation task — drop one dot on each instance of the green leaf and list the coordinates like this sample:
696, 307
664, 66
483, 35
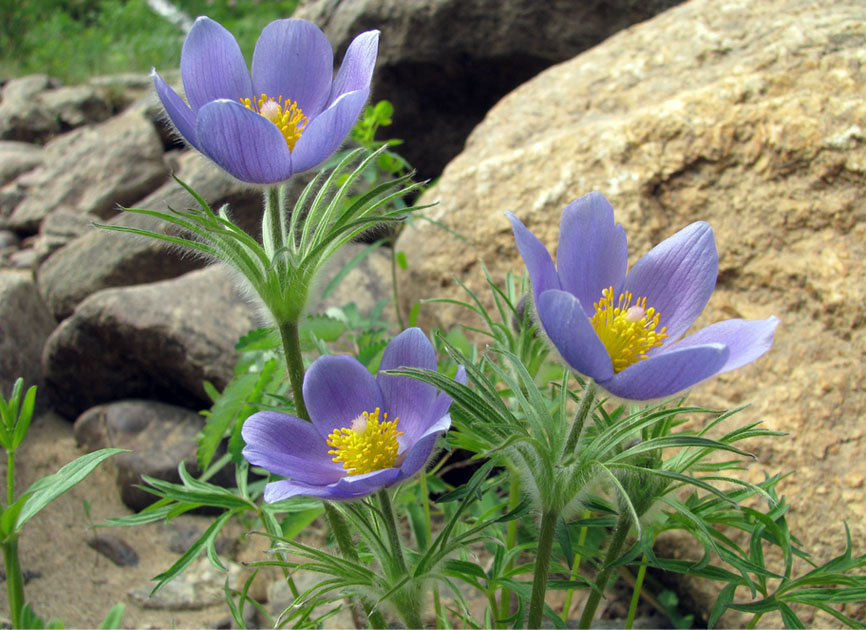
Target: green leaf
25, 415
297, 522
45, 490
402, 261
114, 618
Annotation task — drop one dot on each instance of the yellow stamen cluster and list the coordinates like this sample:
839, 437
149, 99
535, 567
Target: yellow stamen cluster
627, 331
368, 446
288, 117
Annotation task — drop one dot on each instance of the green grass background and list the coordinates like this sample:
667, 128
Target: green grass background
73, 40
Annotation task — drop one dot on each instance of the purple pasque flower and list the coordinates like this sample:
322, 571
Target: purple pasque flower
288, 117
623, 329
366, 432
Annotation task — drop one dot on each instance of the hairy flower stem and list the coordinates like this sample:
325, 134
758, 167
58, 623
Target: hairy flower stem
542, 564
395, 292
583, 411
14, 580
510, 542
273, 230
289, 333
406, 602
10, 477
613, 550
638, 584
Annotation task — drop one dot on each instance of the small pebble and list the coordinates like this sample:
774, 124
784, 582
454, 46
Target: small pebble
115, 549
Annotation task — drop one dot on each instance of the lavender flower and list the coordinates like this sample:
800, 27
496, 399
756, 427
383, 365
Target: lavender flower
288, 117
366, 433
622, 329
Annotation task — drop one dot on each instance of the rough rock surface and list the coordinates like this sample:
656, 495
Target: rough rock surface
160, 437
158, 341
25, 324
92, 170
17, 158
101, 259
749, 115
444, 63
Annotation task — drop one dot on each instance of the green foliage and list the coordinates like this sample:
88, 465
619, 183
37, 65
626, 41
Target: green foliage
75, 39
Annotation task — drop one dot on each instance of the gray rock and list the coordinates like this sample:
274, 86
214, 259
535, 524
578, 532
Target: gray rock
199, 586
8, 240
101, 259
20, 116
92, 170
160, 437
445, 63
157, 341
17, 158
77, 105
114, 548
365, 285
57, 229
25, 324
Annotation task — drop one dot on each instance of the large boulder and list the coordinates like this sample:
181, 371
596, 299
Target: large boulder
748, 115
158, 341
100, 259
25, 324
444, 63
93, 169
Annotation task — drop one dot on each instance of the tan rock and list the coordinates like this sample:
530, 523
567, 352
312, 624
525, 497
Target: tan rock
749, 115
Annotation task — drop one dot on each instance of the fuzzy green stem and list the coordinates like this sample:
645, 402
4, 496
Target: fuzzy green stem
575, 568
272, 228
10, 478
394, 290
542, 564
510, 541
14, 580
614, 548
754, 622
428, 521
638, 583
289, 332
583, 410
406, 603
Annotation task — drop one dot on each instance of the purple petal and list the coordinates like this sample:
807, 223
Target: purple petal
593, 253
286, 489
420, 451
668, 372
539, 264
571, 332
407, 398
338, 389
677, 277
745, 340
356, 70
324, 134
293, 59
245, 144
178, 111
434, 413
288, 446
368, 483
212, 65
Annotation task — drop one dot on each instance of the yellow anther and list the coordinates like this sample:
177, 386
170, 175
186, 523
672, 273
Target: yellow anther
368, 445
288, 117
628, 331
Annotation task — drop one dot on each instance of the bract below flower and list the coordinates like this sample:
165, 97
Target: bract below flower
288, 117
366, 433
623, 329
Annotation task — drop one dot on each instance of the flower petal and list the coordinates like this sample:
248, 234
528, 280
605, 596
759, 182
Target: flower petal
356, 71
420, 451
571, 332
593, 252
247, 145
368, 483
668, 372
745, 340
178, 111
338, 389
677, 277
324, 134
293, 59
288, 446
433, 414
407, 398
212, 65
539, 264
286, 489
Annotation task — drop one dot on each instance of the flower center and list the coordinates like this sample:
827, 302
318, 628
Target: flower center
627, 330
369, 445
288, 117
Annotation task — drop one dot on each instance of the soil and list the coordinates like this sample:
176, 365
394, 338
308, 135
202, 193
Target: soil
72, 582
